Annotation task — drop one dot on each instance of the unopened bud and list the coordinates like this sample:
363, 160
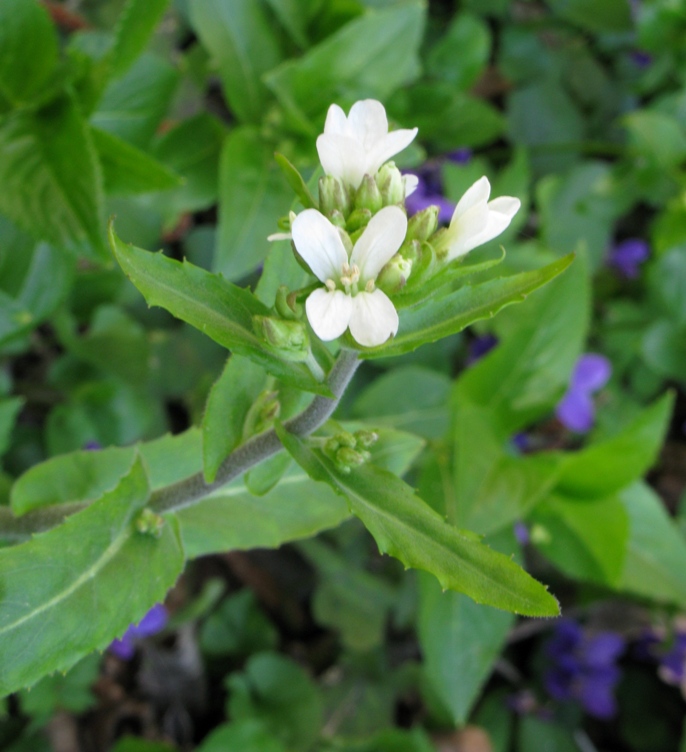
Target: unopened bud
262, 413
423, 224
368, 195
289, 337
337, 219
391, 184
286, 304
149, 523
347, 458
333, 196
393, 277
346, 439
358, 220
365, 438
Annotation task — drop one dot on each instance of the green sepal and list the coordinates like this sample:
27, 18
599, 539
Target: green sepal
295, 180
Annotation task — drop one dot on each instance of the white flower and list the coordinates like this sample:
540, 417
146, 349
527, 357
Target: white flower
354, 146
349, 297
476, 220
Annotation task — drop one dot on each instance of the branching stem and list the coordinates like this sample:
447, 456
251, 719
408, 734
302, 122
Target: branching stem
191, 490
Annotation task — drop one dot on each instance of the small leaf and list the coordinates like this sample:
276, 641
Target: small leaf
208, 302
405, 527
134, 28
295, 180
452, 312
97, 576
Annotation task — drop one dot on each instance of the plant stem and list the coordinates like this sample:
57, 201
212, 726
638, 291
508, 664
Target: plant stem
191, 490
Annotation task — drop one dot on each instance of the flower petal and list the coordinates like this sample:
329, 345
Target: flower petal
411, 184
463, 233
388, 147
336, 121
374, 318
591, 372
476, 194
379, 242
367, 122
319, 244
342, 157
328, 313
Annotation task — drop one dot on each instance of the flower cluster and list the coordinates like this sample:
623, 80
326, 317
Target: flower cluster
583, 667
358, 240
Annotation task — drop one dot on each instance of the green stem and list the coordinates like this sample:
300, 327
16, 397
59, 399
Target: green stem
191, 490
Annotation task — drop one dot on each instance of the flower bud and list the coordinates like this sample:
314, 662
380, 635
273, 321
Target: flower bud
333, 196
358, 220
391, 184
286, 304
288, 337
423, 224
411, 250
347, 458
337, 219
368, 195
393, 276
346, 439
148, 522
262, 413
365, 438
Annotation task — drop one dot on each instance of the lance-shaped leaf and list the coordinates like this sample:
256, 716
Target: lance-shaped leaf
211, 304
404, 526
295, 180
134, 28
451, 313
75, 588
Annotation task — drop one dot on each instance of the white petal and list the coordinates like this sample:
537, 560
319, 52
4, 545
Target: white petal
464, 232
379, 242
319, 243
476, 194
368, 123
336, 121
328, 312
342, 157
411, 183
383, 150
374, 318
507, 205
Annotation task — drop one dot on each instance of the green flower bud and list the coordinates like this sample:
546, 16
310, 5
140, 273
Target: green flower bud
411, 250
148, 522
368, 195
365, 438
391, 184
346, 439
347, 458
333, 196
358, 220
262, 413
288, 337
423, 224
337, 219
393, 276
331, 446
286, 304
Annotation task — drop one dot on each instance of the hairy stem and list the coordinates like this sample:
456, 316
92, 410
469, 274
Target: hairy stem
191, 490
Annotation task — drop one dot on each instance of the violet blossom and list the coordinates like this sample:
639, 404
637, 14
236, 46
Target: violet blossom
627, 256
576, 410
152, 623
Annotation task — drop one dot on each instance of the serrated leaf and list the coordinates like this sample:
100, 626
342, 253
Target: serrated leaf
134, 28
451, 313
97, 576
404, 526
52, 184
128, 170
216, 307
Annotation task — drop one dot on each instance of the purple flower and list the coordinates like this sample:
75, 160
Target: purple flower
92, 446
461, 156
521, 532
641, 59
576, 410
626, 257
423, 197
583, 668
668, 650
480, 346
152, 623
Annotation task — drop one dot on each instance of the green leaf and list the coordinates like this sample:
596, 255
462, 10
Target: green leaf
208, 302
28, 50
294, 16
238, 627
523, 378
127, 169
587, 540
86, 475
295, 180
409, 397
610, 15
656, 551
461, 54
252, 196
609, 466
261, 479
536, 735
667, 285
370, 56
227, 407
234, 519
138, 744
134, 29
452, 312
110, 577
460, 641
663, 346
405, 527
52, 185
241, 38
276, 691
133, 106
9, 409
247, 735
